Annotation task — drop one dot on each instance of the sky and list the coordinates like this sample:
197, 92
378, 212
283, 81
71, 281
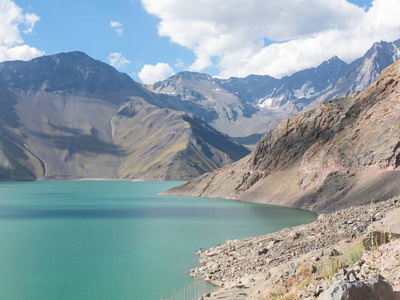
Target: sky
151, 40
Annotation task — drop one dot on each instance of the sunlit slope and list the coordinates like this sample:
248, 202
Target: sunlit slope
341, 153
68, 116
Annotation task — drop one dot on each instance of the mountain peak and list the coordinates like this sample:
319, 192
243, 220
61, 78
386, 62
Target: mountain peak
334, 59
70, 71
74, 56
191, 76
83, 118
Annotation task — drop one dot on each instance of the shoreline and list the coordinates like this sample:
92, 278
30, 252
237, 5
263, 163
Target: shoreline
253, 268
89, 179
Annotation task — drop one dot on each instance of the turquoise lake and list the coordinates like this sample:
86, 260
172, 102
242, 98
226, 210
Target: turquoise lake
115, 239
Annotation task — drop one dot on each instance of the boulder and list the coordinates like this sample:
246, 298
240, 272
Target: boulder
375, 289
381, 232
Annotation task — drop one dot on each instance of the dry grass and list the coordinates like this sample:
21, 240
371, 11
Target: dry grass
293, 285
350, 255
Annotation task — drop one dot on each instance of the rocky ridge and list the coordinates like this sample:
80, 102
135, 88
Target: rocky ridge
248, 107
343, 152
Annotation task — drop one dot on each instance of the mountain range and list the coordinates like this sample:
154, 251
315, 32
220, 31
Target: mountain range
68, 116
341, 153
249, 107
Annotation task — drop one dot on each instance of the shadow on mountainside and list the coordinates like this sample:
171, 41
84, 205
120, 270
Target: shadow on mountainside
7, 110
75, 141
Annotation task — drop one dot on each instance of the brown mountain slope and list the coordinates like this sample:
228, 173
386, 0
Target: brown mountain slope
67, 116
341, 153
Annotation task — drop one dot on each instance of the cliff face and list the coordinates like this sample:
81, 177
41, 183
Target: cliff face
343, 152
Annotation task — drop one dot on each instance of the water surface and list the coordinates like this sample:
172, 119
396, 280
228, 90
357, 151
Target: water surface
115, 239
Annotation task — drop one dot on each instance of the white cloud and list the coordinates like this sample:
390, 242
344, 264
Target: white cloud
117, 26
150, 74
303, 32
117, 60
179, 63
23, 52
30, 20
11, 42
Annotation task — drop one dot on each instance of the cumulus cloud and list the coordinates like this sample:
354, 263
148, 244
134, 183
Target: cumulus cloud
153, 73
117, 26
273, 37
117, 60
12, 20
23, 52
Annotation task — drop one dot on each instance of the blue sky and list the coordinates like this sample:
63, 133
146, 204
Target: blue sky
85, 26
152, 39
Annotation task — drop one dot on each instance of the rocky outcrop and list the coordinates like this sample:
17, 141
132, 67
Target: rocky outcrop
374, 289
343, 152
383, 231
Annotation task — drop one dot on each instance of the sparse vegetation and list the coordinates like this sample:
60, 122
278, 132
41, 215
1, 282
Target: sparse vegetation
349, 256
293, 285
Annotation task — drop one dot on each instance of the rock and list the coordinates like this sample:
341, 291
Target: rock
351, 276
285, 274
262, 251
294, 235
318, 253
375, 289
271, 244
268, 275
340, 274
211, 253
334, 253
240, 286
381, 232
360, 262
315, 258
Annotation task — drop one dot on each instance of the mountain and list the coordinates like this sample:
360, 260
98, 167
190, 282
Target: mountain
67, 116
242, 107
341, 153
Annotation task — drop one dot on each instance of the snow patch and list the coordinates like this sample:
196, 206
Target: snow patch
305, 91
266, 103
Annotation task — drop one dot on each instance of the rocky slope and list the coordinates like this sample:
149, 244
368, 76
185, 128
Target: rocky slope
247, 107
68, 116
302, 262
343, 152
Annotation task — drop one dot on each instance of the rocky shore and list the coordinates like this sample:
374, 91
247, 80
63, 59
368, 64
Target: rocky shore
302, 262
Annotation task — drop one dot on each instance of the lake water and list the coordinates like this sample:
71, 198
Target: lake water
115, 239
